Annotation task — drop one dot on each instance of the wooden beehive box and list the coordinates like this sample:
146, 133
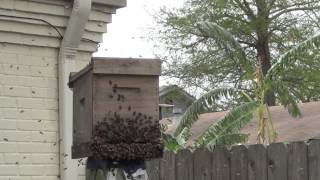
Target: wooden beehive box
115, 109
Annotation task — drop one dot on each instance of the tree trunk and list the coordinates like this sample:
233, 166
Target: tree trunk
263, 56
263, 50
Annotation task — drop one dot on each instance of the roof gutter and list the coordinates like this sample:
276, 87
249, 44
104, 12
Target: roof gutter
67, 58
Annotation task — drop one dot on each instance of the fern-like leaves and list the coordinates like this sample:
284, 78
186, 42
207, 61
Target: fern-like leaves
227, 129
294, 74
227, 140
226, 41
292, 56
203, 105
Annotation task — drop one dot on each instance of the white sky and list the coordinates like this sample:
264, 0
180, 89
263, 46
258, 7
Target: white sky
129, 28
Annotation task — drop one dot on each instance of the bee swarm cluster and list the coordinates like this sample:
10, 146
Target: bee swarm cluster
133, 137
130, 139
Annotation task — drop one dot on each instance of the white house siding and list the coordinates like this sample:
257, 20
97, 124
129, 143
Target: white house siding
29, 139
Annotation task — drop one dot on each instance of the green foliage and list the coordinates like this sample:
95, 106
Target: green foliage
175, 143
205, 104
291, 76
170, 143
211, 43
224, 39
293, 56
228, 140
228, 127
253, 46
226, 131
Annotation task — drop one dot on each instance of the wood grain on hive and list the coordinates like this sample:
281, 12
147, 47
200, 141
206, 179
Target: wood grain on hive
117, 92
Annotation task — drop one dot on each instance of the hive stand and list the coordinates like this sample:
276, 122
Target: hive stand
116, 174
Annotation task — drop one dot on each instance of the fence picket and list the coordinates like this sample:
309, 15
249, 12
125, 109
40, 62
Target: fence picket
167, 166
257, 162
239, 163
184, 165
314, 160
277, 162
221, 164
297, 161
202, 164
153, 169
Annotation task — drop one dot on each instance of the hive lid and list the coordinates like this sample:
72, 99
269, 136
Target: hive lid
119, 66
126, 66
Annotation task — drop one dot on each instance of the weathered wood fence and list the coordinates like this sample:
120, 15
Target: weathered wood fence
279, 161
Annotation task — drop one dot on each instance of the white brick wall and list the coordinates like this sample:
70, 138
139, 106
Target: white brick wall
29, 147
29, 137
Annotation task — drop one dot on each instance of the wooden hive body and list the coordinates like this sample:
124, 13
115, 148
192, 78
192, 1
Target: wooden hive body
117, 99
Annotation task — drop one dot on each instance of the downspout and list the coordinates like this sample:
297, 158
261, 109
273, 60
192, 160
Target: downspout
67, 58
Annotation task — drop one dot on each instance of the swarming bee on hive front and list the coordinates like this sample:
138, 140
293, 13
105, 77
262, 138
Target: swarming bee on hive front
116, 114
134, 137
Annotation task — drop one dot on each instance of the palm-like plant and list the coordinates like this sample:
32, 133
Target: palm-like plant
292, 65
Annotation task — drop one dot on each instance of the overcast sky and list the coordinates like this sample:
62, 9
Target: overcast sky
129, 28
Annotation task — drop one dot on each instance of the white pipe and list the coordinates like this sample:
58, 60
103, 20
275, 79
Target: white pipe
67, 57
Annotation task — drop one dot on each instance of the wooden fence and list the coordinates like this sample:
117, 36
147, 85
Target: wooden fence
279, 161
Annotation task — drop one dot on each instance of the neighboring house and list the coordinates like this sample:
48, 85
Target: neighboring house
37, 37
288, 128
173, 102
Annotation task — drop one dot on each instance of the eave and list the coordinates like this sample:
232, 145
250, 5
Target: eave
109, 3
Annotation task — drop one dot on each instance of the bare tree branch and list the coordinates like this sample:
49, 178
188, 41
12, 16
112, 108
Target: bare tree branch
247, 43
275, 16
247, 10
271, 4
295, 5
315, 18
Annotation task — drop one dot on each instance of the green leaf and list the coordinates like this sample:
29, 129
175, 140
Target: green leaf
228, 139
203, 105
170, 143
225, 40
222, 3
290, 57
231, 123
294, 72
182, 137
286, 98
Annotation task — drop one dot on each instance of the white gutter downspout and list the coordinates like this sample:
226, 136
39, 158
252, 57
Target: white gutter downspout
67, 57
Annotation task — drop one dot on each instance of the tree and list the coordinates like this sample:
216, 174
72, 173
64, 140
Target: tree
226, 131
263, 29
